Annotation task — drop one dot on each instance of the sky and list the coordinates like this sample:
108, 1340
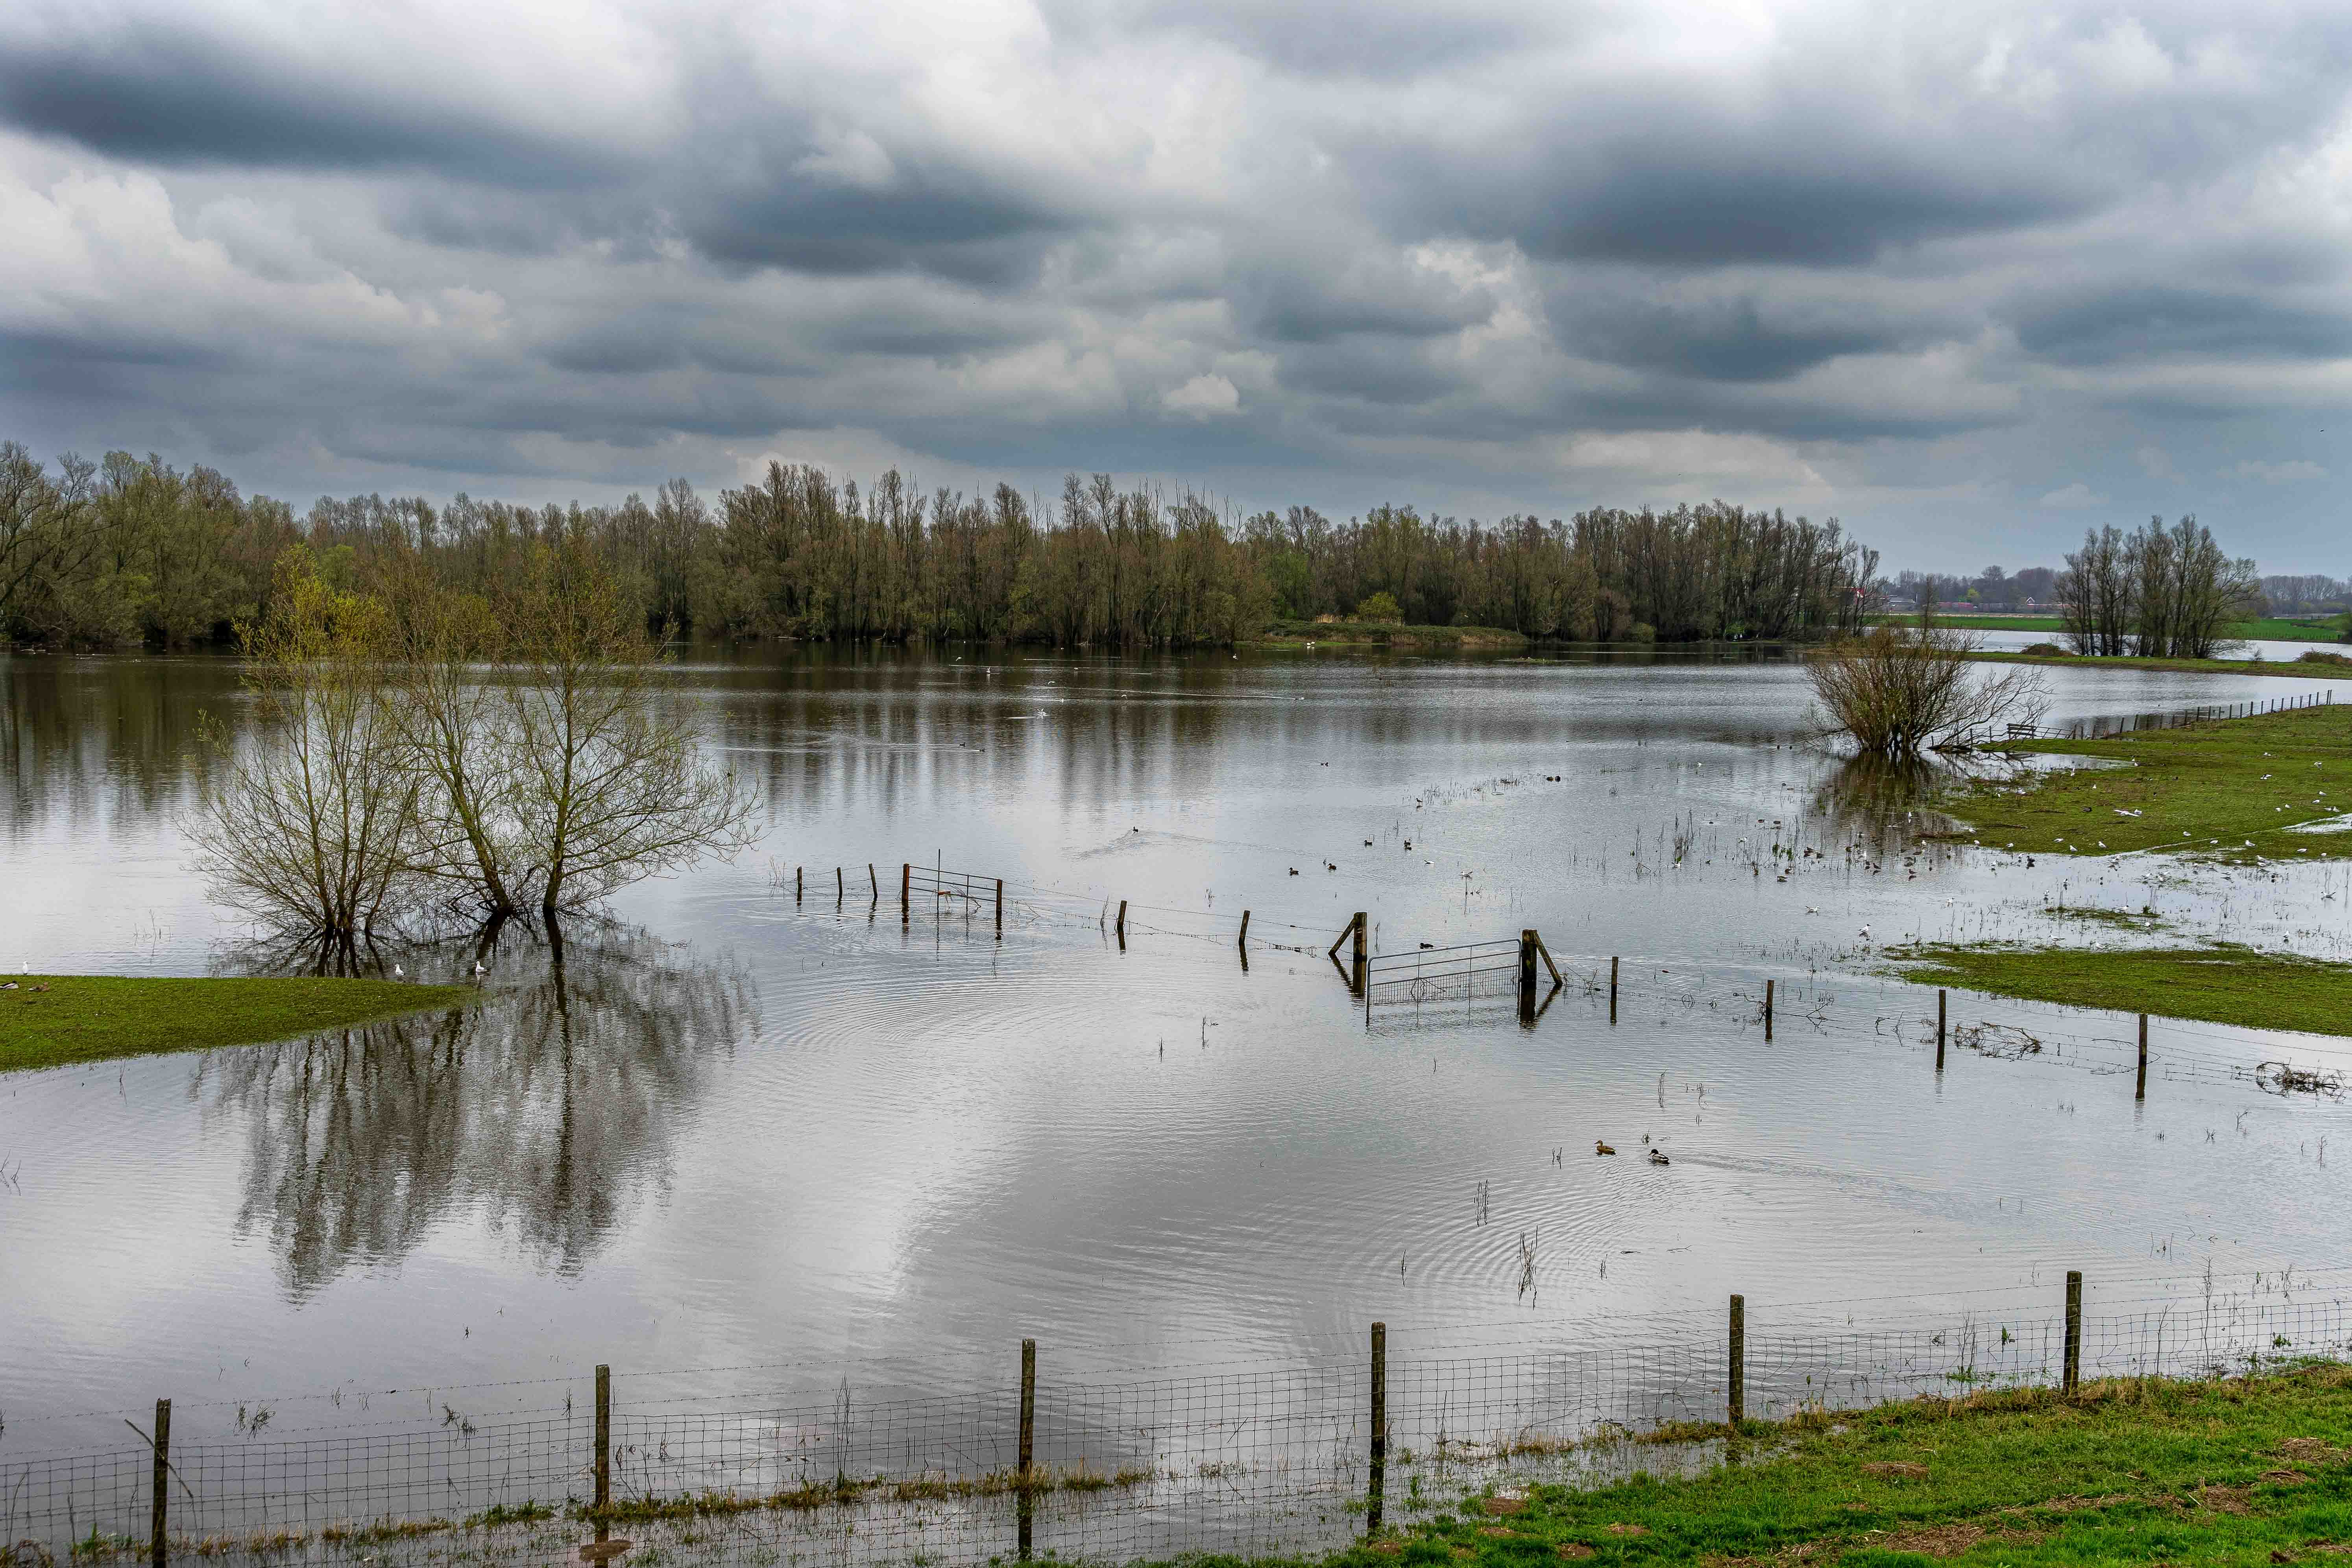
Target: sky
1968, 276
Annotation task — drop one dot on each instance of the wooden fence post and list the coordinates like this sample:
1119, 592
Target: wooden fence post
875, 880
1768, 1009
1613, 990
1026, 1490
2071, 1374
1738, 1396
1376, 1490
840, 887
603, 1440
2141, 1092
906, 887
1244, 937
159, 1527
1939, 1029
999, 906
1122, 922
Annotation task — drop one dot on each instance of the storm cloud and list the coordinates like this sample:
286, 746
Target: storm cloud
1922, 269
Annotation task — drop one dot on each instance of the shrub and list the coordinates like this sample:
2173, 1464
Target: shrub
1899, 692
1380, 607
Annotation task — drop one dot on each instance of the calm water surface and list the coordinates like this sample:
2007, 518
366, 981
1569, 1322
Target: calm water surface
738, 1127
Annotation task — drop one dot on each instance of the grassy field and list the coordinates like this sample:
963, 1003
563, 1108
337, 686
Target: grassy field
2230, 788
2269, 628
2220, 984
87, 1018
2239, 1471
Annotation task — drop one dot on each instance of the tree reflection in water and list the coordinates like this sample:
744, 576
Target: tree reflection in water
1883, 805
546, 1105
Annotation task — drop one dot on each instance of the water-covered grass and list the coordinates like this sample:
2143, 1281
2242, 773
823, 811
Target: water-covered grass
2219, 985
2239, 1471
51, 1019
2233, 788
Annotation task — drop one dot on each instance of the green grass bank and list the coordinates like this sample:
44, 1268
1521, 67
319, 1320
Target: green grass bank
2269, 628
1386, 634
2230, 788
2218, 984
90, 1017
2325, 667
2253, 1471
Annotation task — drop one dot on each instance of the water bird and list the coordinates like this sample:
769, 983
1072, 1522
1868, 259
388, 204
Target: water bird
478, 970
1433, 945
1658, 1157
398, 972
1294, 870
1600, 1148
1329, 867
1368, 844
1408, 843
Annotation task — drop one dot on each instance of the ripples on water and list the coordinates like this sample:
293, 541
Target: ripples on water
736, 1129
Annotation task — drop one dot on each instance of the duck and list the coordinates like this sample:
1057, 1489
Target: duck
1600, 1148
1294, 870
1658, 1157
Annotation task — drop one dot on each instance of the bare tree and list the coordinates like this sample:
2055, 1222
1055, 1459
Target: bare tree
307, 824
458, 733
2097, 591
609, 785
1897, 690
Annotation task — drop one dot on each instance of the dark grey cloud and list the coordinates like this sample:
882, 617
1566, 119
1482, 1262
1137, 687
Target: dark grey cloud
2125, 321
169, 93
1818, 252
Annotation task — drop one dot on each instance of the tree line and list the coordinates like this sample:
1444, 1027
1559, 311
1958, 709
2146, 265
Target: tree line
2164, 593
131, 551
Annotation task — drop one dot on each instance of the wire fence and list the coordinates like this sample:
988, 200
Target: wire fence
1249, 1459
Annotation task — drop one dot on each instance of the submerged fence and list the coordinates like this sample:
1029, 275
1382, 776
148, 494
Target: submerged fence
1299, 1456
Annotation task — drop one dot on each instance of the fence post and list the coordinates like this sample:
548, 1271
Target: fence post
1528, 960
840, 887
1768, 1009
603, 1440
1245, 938
999, 906
2141, 1092
1122, 922
1028, 1440
1739, 1400
2071, 1374
875, 880
1377, 1490
906, 885
1613, 990
158, 1511
798, 873
1939, 1029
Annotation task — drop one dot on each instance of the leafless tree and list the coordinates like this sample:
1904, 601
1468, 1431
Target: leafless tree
609, 781
307, 824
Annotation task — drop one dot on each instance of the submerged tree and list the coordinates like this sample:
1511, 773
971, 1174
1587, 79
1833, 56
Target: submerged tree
1901, 690
608, 781
308, 823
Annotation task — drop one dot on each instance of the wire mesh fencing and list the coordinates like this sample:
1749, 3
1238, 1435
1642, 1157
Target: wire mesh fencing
1247, 1460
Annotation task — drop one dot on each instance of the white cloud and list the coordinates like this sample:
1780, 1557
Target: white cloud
1204, 397
2285, 473
2076, 497
2156, 462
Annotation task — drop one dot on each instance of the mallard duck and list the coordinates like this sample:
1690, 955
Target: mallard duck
1658, 1157
1600, 1148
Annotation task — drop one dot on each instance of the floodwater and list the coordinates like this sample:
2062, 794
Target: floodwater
812, 1134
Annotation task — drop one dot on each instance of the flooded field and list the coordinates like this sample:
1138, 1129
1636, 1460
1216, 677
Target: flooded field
845, 1146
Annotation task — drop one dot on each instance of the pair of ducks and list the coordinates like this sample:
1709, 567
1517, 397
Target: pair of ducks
1657, 1156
